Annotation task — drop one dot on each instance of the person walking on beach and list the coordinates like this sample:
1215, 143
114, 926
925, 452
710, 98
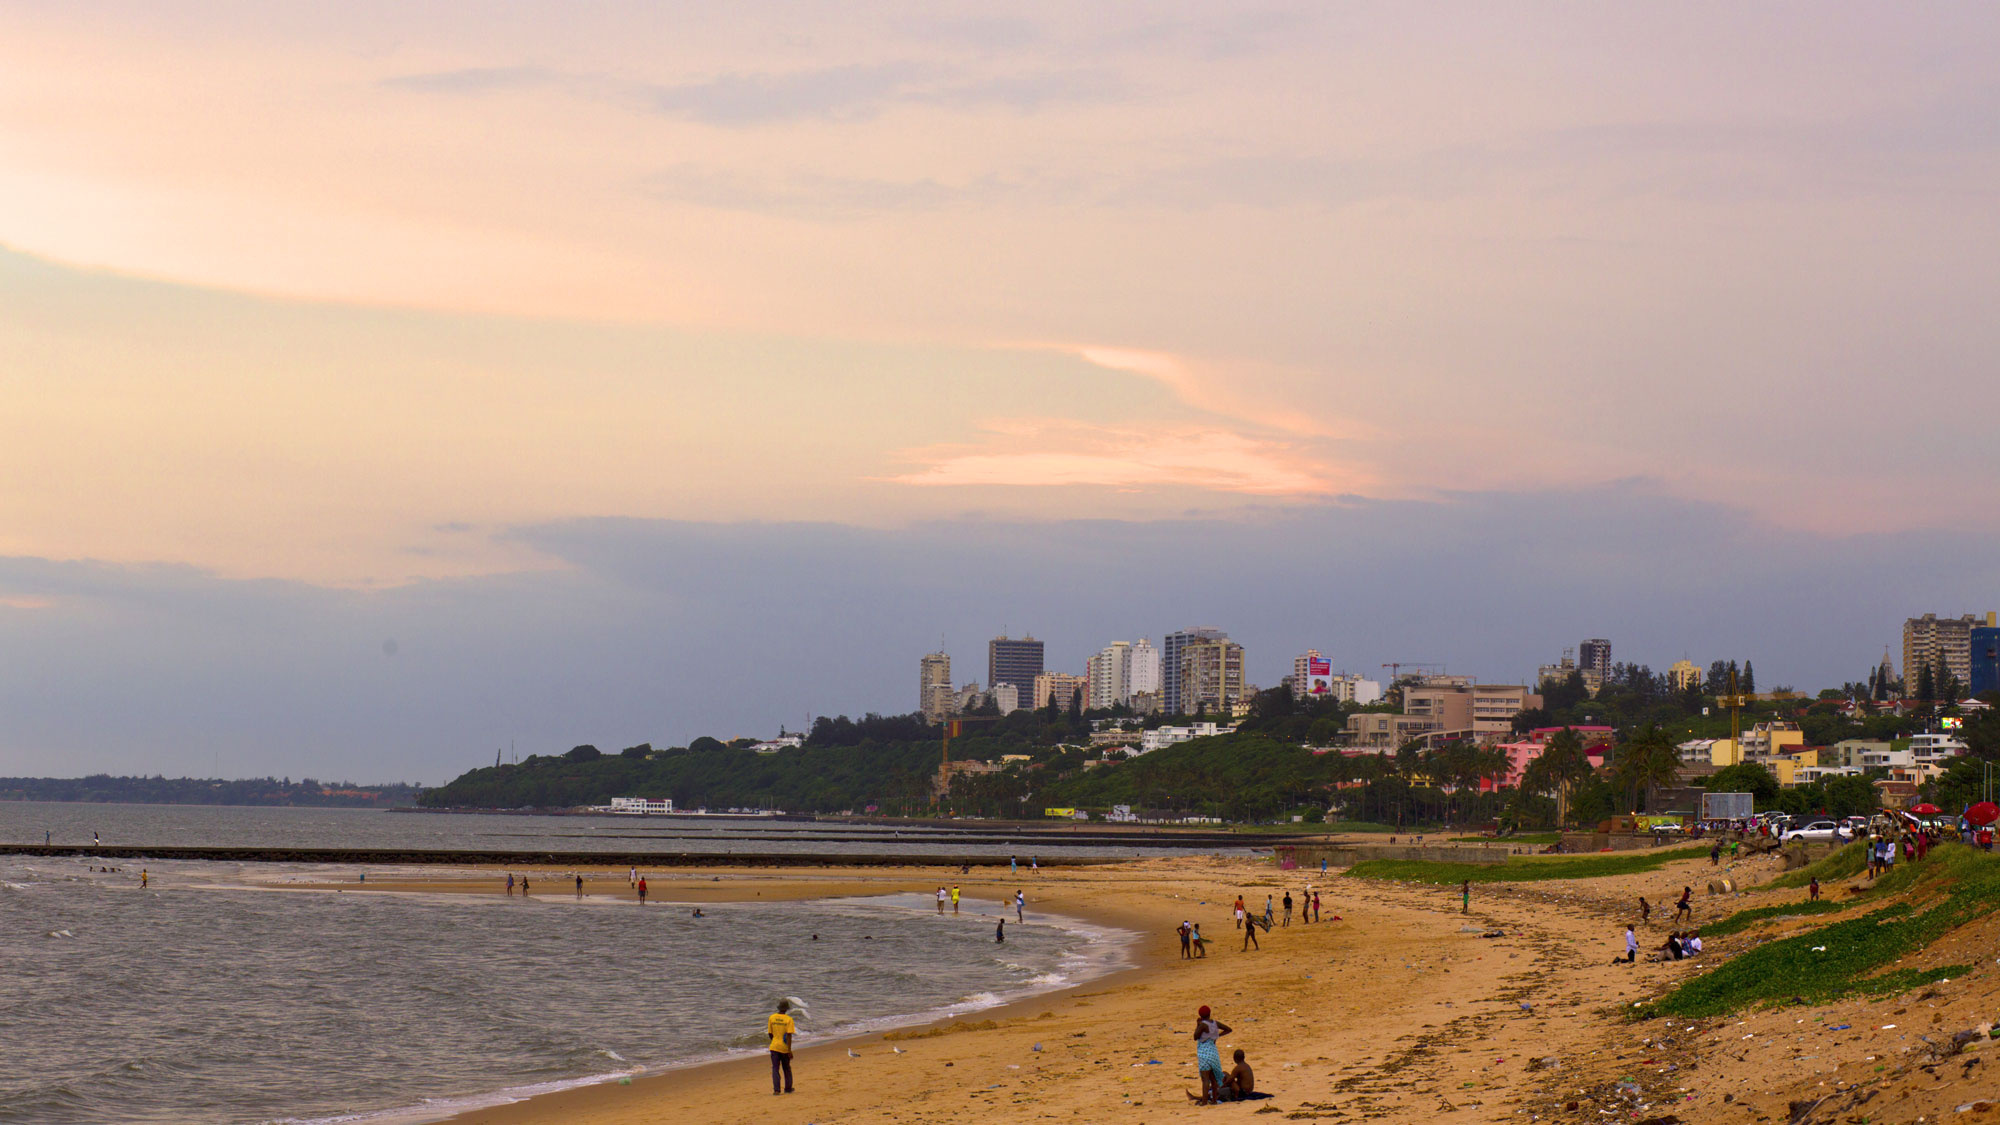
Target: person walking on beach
941, 895
94, 841
1685, 905
1184, 931
1239, 912
1645, 910
1200, 946
632, 877
1020, 905
1465, 897
524, 886
954, 898
579, 886
781, 1029
1250, 934
510, 882
1207, 1030
144, 878
1715, 854
1812, 890
1013, 866
1315, 906
642, 890
1288, 908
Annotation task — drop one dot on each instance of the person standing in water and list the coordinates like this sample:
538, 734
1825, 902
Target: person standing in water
145, 879
954, 898
942, 894
510, 882
1000, 931
781, 1029
1020, 905
642, 890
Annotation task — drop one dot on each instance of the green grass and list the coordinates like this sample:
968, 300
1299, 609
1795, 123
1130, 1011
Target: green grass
1844, 863
1842, 958
1521, 869
1744, 919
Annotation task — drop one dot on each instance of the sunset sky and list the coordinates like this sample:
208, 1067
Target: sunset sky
384, 383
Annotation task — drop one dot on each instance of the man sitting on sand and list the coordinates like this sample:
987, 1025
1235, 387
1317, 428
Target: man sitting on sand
1242, 1083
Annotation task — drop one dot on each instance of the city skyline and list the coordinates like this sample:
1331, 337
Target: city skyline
386, 384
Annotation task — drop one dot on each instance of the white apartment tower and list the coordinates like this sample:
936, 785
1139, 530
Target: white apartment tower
1120, 669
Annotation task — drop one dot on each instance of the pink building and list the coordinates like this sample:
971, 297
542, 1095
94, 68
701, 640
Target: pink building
1596, 740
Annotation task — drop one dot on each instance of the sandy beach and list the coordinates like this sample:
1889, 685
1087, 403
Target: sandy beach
1402, 1009
1395, 1007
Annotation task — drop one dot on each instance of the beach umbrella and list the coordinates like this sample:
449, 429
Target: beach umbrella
1983, 813
1926, 809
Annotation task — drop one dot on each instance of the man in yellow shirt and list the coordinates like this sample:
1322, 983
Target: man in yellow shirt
781, 1028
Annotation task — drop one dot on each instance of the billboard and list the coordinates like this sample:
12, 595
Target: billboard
1319, 677
1951, 722
1726, 806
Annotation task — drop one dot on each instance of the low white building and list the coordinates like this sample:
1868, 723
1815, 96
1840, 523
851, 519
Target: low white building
782, 742
640, 806
1162, 737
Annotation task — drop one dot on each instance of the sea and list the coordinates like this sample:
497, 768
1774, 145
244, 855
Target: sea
216, 995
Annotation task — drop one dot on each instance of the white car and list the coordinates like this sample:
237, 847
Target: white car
1819, 831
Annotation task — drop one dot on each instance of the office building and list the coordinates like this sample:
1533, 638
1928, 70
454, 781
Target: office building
1170, 664
934, 692
1354, 689
1209, 676
1016, 662
1930, 641
1983, 661
1142, 670
1062, 688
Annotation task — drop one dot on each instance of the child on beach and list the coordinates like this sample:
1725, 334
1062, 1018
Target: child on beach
1200, 946
1631, 947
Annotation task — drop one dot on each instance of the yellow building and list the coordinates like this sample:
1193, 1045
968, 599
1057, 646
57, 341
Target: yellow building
1725, 752
1684, 675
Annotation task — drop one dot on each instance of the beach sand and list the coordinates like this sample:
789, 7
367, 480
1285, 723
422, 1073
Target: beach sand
1400, 1011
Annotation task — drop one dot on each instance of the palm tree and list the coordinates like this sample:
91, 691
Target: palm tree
1561, 765
1650, 761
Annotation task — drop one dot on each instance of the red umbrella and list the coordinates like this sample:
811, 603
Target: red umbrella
1983, 813
1926, 809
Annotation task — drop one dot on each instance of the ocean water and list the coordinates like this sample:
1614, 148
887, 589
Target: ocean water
25, 822
211, 999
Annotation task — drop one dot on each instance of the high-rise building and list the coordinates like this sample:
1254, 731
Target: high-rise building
1984, 667
1016, 662
1312, 676
1929, 640
1061, 687
934, 692
1107, 670
1121, 669
1594, 657
1210, 676
1170, 665
1684, 674
1142, 670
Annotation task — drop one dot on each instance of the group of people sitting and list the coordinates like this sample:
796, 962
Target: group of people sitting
1679, 945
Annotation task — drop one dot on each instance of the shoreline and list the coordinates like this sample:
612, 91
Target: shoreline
552, 1100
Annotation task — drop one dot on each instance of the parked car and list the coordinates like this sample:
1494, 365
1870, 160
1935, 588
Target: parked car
1819, 831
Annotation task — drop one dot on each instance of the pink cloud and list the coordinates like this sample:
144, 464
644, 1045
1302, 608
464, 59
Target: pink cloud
1046, 452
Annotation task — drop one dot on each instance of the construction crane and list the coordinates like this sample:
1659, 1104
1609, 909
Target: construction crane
1735, 701
1395, 670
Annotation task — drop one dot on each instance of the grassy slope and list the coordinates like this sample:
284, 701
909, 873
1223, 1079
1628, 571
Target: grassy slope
1521, 869
1954, 886
1844, 863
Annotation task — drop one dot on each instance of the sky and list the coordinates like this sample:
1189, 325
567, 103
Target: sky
384, 384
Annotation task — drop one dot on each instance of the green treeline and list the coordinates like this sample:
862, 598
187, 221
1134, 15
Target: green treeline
156, 790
